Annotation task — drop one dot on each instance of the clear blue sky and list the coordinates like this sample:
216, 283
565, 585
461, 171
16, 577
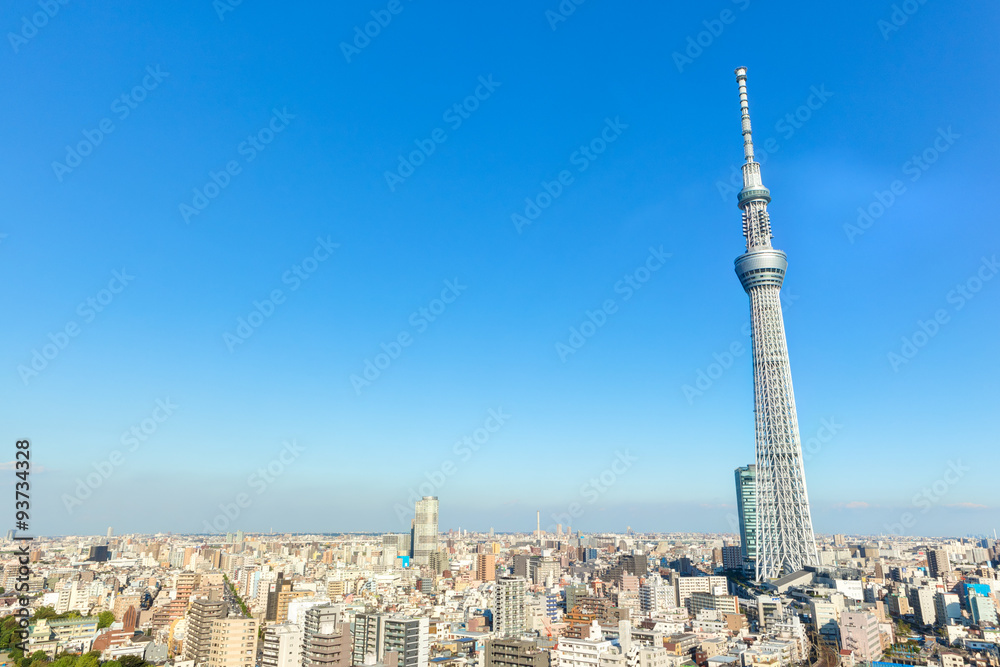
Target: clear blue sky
337, 119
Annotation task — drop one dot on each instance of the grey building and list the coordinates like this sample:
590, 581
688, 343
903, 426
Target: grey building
326, 640
515, 653
198, 637
375, 635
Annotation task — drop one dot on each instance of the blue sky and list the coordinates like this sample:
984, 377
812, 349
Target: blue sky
281, 139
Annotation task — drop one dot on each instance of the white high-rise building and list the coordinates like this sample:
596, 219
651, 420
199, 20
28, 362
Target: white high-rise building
509, 607
687, 585
924, 607
655, 595
282, 645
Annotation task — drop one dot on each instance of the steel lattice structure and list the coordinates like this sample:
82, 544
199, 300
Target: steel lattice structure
785, 540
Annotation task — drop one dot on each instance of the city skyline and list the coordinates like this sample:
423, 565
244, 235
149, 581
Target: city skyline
336, 314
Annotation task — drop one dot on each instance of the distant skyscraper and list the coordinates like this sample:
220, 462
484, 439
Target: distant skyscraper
785, 539
110, 532
746, 504
425, 529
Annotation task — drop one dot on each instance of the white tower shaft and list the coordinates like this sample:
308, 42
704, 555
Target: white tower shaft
785, 540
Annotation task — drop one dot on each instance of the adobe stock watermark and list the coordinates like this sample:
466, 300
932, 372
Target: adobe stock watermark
581, 158
363, 35
697, 43
627, 286
419, 321
915, 167
595, 487
787, 126
900, 14
131, 439
706, 377
258, 481
910, 345
87, 310
265, 308
122, 107
824, 435
463, 449
223, 7
929, 496
248, 149
454, 116
562, 12
31, 24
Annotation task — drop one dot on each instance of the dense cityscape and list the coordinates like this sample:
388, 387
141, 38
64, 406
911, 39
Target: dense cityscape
773, 595
534, 599
771, 592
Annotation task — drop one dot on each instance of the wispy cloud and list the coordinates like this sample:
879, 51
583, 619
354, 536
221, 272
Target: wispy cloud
853, 505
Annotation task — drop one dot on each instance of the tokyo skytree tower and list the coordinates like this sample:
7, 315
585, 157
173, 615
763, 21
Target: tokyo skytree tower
785, 540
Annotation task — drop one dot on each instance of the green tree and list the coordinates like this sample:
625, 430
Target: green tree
91, 659
45, 612
132, 661
104, 619
111, 663
37, 659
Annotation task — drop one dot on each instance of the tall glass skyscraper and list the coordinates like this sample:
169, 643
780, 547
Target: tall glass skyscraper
746, 503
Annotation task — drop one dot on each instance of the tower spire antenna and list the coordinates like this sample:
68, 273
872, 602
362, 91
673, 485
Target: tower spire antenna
741, 79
